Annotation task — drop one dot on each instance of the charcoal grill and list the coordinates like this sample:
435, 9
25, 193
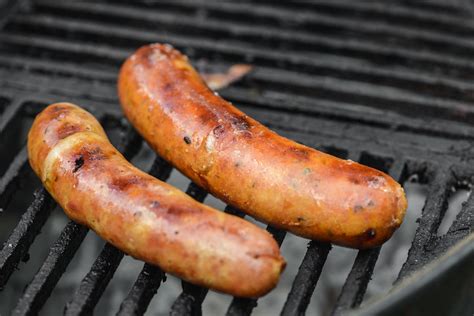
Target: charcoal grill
389, 85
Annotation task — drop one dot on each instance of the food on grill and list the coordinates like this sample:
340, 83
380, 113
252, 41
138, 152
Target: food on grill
143, 216
274, 179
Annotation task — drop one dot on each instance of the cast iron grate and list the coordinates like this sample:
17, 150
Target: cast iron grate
394, 91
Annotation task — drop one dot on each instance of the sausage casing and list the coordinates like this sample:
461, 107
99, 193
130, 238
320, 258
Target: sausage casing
143, 216
272, 178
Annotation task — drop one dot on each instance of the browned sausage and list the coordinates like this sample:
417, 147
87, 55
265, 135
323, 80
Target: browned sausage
143, 216
274, 179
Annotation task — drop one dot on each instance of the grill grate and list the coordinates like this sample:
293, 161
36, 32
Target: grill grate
390, 86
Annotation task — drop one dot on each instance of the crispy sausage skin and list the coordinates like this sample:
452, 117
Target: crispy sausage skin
143, 216
272, 178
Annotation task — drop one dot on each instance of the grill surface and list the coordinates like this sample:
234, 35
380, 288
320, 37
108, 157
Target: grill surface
390, 85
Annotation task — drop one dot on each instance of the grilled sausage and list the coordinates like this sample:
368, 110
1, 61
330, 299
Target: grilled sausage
274, 179
143, 216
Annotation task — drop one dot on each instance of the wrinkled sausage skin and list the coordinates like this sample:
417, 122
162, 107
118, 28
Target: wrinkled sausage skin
274, 179
143, 216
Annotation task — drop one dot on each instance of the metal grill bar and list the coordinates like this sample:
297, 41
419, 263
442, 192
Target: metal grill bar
95, 282
66, 69
347, 90
328, 109
51, 271
461, 228
398, 15
443, 87
142, 292
60, 85
336, 89
367, 30
160, 169
189, 301
3, 104
9, 181
196, 192
464, 222
421, 101
373, 52
9, 114
403, 14
433, 212
241, 306
444, 7
435, 89
80, 52
229, 209
278, 234
100, 27
131, 143
300, 16
306, 279
405, 80
17, 245
356, 283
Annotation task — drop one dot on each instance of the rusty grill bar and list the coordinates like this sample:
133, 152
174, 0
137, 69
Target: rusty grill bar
310, 84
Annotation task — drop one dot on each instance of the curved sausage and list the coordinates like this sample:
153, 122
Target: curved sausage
143, 216
270, 177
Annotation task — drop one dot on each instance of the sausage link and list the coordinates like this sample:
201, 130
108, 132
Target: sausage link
143, 216
270, 177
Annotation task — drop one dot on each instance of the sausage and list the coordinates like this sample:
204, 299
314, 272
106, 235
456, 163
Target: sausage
143, 216
237, 159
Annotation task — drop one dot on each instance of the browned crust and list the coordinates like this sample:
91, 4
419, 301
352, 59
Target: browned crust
283, 183
143, 216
